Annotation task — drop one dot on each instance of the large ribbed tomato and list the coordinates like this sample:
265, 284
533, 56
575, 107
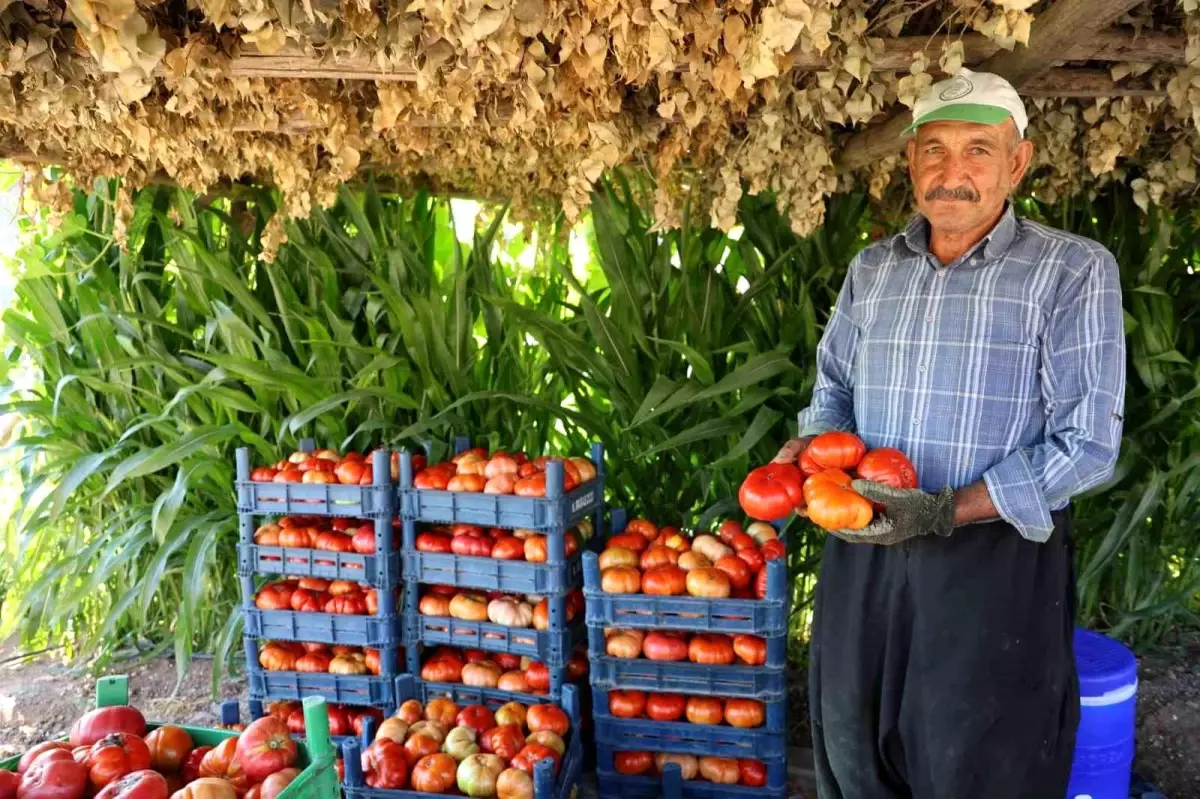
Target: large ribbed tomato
771, 492
96, 724
265, 747
833, 505
116, 755
168, 745
385, 764
836, 450
143, 784
888, 466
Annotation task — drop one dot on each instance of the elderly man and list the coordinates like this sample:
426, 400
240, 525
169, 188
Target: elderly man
990, 350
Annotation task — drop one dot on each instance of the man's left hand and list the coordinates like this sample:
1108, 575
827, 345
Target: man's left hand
907, 513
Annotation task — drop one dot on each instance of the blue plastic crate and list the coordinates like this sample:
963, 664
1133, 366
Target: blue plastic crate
340, 689
546, 784
557, 510
490, 574
552, 647
670, 785
315, 499
765, 617
718, 740
375, 570
764, 683
376, 632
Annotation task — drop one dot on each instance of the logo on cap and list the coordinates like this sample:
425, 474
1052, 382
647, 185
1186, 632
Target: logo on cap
956, 88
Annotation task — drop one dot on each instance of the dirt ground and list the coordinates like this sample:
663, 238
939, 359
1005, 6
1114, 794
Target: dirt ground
40, 698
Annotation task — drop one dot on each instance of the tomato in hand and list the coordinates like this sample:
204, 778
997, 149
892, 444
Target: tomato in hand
833, 505
888, 466
265, 747
771, 492
144, 784
836, 450
116, 755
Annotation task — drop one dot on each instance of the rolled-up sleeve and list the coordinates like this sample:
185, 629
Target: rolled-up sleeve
832, 403
1083, 388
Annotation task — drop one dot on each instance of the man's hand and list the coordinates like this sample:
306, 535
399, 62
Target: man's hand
907, 513
790, 452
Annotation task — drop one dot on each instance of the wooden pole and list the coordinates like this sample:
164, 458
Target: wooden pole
1052, 34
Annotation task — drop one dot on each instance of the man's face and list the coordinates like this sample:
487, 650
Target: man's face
962, 172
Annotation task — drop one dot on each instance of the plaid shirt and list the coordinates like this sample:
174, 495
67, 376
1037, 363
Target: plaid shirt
1007, 365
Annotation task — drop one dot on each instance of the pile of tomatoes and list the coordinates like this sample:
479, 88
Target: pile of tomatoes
497, 542
499, 670
325, 466
722, 770
496, 607
444, 748
344, 720
321, 533
818, 484
317, 595
742, 713
110, 755
709, 649
665, 562
500, 472
318, 658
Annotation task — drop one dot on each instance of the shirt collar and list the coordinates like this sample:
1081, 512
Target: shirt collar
995, 243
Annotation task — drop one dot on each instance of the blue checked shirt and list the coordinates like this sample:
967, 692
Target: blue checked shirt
1007, 365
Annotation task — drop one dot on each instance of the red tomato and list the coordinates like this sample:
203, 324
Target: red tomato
836, 450
771, 492
477, 717
760, 585
53, 778
773, 549
169, 745
434, 773
752, 773
207, 788
191, 764
116, 755
538, 676
626, 704
385, 764
665, 707
508, 548
547, 717
475, 545
136, 785
531, 755
888, 466
221, 761
433, 542
632, 762
265, 747
8, 784
96, 724
273, 785
49, 746
753, 558
736, 569
505, 740
728, 529
363, 540
670, 646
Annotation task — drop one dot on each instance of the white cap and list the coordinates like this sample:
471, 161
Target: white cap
970, 97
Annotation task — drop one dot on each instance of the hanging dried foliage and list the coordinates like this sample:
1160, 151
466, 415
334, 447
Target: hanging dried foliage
533, 99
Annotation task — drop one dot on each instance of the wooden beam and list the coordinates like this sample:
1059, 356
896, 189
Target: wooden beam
1118, 45
1052, 34
898, 54
1088, 84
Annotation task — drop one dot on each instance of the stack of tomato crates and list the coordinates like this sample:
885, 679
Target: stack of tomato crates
320, 614
628, 749
448, 648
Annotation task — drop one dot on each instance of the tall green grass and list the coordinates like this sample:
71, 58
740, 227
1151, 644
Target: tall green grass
687, 352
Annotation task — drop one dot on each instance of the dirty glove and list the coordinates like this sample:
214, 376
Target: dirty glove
907, 513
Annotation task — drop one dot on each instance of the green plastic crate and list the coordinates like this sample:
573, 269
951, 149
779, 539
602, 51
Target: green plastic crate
317, 780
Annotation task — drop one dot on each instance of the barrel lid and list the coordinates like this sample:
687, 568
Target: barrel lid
1104, 665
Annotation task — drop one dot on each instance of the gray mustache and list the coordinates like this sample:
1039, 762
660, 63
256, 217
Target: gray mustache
957, 193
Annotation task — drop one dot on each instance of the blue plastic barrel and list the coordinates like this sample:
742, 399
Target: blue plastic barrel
1107, 696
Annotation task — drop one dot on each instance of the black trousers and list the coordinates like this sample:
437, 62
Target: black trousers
944, 668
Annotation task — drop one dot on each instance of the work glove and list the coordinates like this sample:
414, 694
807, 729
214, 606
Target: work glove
907, 513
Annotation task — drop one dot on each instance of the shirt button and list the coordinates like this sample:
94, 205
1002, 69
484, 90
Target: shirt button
921, 368
928, 317
942, 274
916, 420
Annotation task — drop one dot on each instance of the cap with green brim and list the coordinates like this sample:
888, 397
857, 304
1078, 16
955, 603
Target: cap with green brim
979, 97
